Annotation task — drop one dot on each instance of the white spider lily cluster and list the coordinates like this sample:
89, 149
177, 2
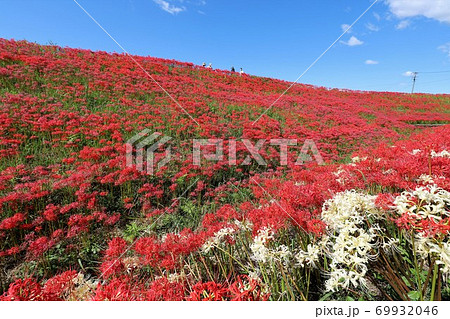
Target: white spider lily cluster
425, 179
260, 252
426, 246
349, 245
444, 153
244, 225
433, 153
428, 202
424, 202
310, 257
390, 244
342, 176
422, 244
358, 159
443, 253
217, 239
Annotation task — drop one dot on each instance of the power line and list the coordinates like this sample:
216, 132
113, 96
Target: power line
434, 72
441, 80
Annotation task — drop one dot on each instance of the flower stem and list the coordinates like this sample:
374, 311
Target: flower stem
433, 283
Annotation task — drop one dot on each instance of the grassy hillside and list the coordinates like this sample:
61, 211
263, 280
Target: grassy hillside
77, 223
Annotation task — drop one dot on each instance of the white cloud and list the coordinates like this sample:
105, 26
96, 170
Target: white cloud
433, 9
403, 24
445, 48
372, 27
377, 16
345, 27
166, 6
353, 41
371, 62
408, 73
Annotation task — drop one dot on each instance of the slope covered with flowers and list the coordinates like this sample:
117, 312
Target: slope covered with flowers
76, 223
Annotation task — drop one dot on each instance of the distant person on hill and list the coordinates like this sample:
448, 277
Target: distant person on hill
241, 72
232, 69
210, 66
204, 64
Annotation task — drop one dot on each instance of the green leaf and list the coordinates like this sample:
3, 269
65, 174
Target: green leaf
414, 295
349, 298
326, 296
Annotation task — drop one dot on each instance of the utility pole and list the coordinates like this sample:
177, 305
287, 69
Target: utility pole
414, 75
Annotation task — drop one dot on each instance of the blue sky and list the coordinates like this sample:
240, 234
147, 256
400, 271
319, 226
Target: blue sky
277, 39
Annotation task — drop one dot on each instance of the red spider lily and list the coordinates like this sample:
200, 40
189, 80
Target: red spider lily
247, 289
23, 290
57, 286
208, 291
116, 248
12, 222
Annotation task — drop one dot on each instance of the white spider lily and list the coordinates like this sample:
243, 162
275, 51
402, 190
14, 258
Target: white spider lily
217, 239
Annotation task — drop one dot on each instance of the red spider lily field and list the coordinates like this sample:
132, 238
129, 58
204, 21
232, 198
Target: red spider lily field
77, 222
